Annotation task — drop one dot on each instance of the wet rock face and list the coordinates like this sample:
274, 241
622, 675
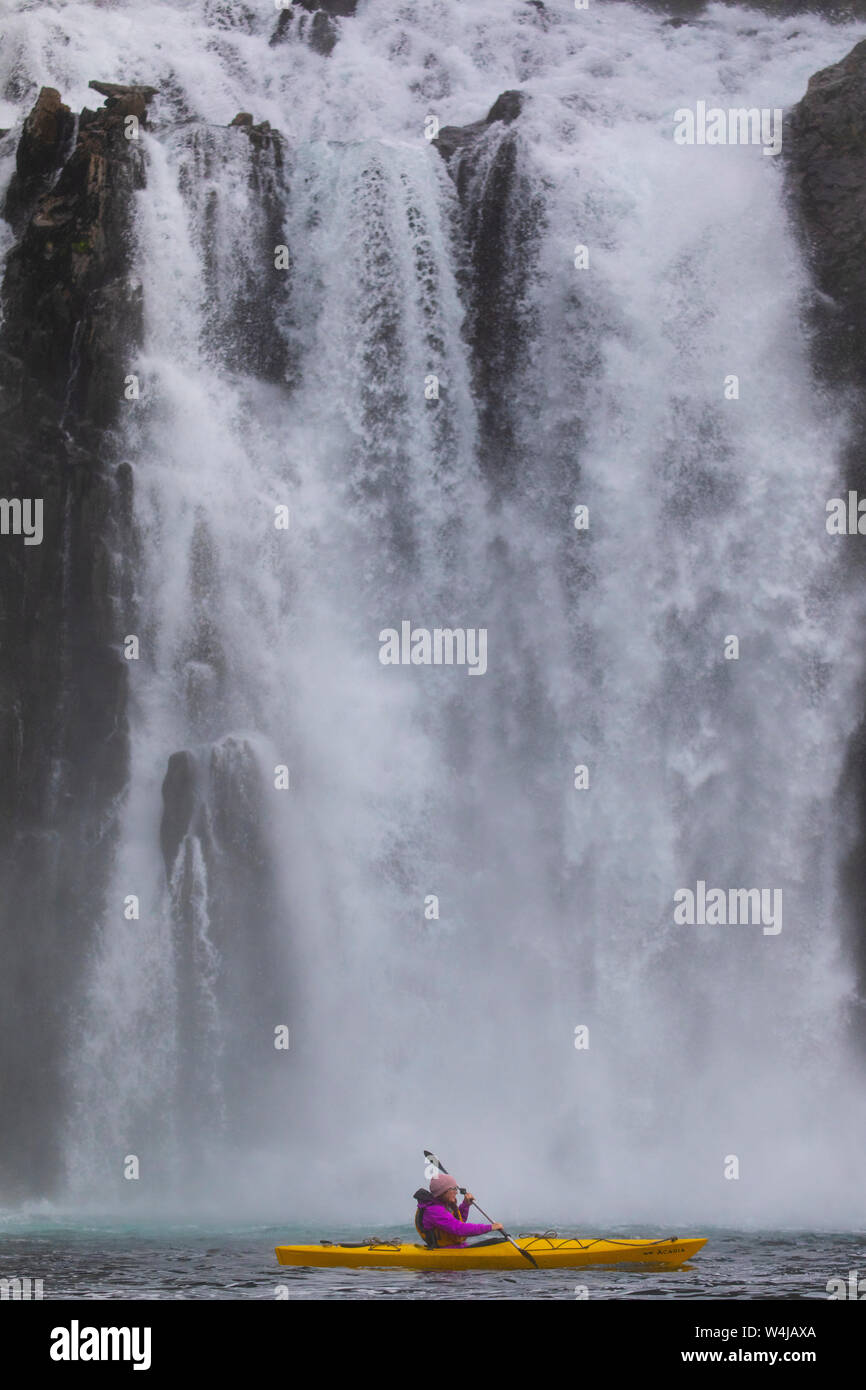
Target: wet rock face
70, 319
501, 216
323, 34
179, 803
825, 148
261, 136
320, 32
245, 308
826, 152
67, 291
221, 884
70, 313
41, 150
216, 797
453, 138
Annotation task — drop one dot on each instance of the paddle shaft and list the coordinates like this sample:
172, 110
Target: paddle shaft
519, 1248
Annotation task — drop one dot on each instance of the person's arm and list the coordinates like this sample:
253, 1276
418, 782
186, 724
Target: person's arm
441, 1217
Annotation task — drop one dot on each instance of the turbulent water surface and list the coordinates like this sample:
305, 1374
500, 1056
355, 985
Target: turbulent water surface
305, 387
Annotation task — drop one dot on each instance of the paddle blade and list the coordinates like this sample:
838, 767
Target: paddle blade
432, 1166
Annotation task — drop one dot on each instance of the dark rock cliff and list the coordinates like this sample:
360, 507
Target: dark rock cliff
71, 326
825, 144
44, 143
826, 152
501, 220
70, 316
219, 867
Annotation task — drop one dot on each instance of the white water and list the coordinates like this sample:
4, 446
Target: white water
605, 647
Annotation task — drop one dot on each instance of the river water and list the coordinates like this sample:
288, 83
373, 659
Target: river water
192, 1261
427, 902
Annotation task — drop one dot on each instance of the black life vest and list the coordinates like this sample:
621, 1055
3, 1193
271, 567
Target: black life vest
432, 1236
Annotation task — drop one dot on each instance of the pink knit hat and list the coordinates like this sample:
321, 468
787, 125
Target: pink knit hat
441, 1184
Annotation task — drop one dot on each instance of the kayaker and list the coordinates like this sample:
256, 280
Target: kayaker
441, 1222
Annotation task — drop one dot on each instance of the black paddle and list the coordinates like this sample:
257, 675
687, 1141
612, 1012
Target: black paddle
437, 1163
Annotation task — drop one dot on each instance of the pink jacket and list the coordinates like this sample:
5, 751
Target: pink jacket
436, 1215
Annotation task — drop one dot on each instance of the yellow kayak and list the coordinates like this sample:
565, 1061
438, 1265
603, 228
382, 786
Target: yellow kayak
549, 1252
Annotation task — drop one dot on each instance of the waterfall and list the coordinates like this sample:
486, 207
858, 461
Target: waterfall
399, 361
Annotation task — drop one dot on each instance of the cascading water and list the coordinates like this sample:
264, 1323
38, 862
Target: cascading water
308, 387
